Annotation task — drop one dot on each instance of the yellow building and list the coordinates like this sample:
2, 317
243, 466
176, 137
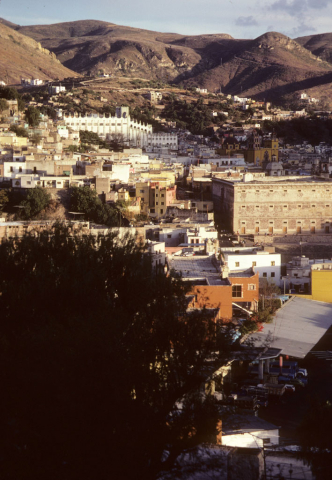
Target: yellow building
260, 150
321, 282
8, 138
160, 176
155, 196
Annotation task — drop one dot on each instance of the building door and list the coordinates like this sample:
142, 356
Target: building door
284, 229
312, 229
257, 229
298, 229
243, 230
270, 229
327, 229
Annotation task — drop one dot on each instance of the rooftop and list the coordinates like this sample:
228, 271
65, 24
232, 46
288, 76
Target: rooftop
296, 327
199, 268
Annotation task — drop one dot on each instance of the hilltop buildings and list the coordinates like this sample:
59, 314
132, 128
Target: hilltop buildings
121, 126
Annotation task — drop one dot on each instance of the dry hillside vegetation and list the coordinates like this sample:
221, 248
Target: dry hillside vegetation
271, 66
21, 56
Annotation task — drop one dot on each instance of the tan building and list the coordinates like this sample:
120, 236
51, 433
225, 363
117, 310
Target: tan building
155, 196
282, 205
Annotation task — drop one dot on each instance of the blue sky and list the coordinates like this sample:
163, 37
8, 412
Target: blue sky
239, 18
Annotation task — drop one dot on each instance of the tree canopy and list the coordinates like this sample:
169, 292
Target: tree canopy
86, 200
32, 116
95, 350
37, 199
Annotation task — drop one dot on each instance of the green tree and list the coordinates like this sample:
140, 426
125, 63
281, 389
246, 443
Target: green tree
32, 116
86, 200
96, 349
36, 200
4, 105
4, 198
35, 138
20, 131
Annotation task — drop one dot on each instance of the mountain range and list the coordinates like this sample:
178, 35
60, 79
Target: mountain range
270, 67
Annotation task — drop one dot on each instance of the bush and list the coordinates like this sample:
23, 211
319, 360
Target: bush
20, 131
37, 200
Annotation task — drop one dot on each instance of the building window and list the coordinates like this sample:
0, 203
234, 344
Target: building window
313, 206
251, 286
237, 264
156, 203
299, 206
273, 264
285, 206
141, 191
243, 206
254, 264
161, 211
169, 236
237, 291
264, 275
273, 274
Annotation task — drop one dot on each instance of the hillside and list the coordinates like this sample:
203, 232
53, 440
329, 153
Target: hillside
271, 66
320, 45
21, 56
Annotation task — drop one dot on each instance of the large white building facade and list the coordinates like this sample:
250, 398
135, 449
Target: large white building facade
169, 140
121, 127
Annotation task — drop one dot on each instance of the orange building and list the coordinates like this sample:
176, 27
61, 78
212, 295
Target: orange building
213, 288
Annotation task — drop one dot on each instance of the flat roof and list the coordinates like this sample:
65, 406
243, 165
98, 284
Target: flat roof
274, 180
296, 327
197, 268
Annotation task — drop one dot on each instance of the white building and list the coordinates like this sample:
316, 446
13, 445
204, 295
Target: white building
168, 140
121, 127
55, 89
36, 81
267, 264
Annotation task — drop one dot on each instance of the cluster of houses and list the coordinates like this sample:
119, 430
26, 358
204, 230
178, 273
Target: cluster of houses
176, 182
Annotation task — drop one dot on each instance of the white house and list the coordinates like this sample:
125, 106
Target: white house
267, 264
55, 89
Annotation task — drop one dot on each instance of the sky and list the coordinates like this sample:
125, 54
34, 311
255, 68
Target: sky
239, 18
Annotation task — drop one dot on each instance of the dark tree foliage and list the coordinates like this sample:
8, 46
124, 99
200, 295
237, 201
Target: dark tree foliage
316, 441
32, 116
146, 115
195, 117
86, 200
9, 93
4, 105
20, 131
95, 350
36, 200
314, 130
91, 138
